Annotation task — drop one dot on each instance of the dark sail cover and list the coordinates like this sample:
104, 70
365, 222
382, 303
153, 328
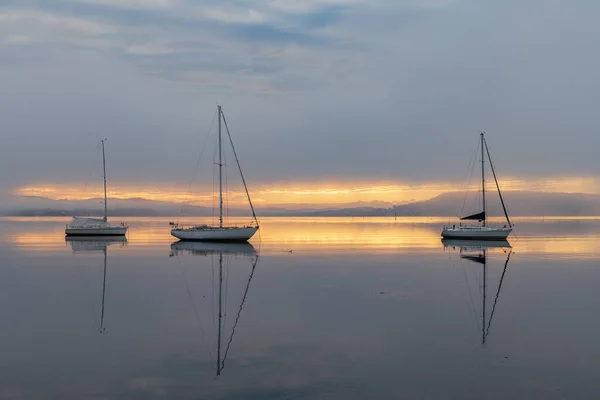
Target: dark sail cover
479, 217
480, 259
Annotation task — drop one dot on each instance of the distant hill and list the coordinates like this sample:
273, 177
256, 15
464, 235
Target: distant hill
49, 212
451, 204
518, 204
134, 207
448, 204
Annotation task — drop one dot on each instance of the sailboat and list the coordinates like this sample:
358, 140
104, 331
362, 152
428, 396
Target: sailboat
91, 244
221, 249
83, 226
481, 231
220, 232
477, 252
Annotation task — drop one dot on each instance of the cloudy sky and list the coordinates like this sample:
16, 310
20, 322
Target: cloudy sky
328, 101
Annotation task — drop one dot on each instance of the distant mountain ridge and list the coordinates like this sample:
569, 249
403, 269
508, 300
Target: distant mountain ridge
451, 204
517, 203
447, 204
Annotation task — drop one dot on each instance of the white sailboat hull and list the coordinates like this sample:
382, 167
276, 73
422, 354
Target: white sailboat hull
476, 233
225, 234
101, 231
83, 226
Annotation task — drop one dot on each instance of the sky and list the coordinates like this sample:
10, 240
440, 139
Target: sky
328, 101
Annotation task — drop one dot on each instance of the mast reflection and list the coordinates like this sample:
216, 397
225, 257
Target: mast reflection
477, 251
96, 244
221, 250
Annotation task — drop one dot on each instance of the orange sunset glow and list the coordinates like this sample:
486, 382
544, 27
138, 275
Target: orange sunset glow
303, 193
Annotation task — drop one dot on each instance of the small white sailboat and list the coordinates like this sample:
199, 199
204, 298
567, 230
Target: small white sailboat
83, 226
481, 231
220, 232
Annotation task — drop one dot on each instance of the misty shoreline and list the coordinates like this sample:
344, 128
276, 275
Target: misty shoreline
448, 204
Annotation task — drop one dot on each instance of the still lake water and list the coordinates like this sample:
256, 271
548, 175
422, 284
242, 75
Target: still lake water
316, 308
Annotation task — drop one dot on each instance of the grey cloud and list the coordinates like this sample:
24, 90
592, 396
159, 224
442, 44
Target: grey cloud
404, 100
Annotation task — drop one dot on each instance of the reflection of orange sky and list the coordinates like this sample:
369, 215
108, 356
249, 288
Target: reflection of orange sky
313, 235
304, 193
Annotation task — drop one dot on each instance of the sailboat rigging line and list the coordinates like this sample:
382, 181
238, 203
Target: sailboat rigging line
190, 296
470, 174
470, 296
198, 161
214, 182
226, 291
104, 170
88, 289
226, 191
480, 287
497, 185
239, 168
498, 293
92, 168
239, 313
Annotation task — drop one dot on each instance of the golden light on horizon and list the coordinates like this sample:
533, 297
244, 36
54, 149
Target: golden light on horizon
311, 235
266, 195
305, 193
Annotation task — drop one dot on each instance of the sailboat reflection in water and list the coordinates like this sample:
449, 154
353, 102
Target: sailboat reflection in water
96, 244
476, 251
223, 252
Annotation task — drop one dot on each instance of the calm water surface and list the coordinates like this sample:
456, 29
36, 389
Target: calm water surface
348, 308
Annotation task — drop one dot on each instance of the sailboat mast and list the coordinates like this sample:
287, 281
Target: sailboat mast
104, 169
220, 173
220, 313
483, 178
